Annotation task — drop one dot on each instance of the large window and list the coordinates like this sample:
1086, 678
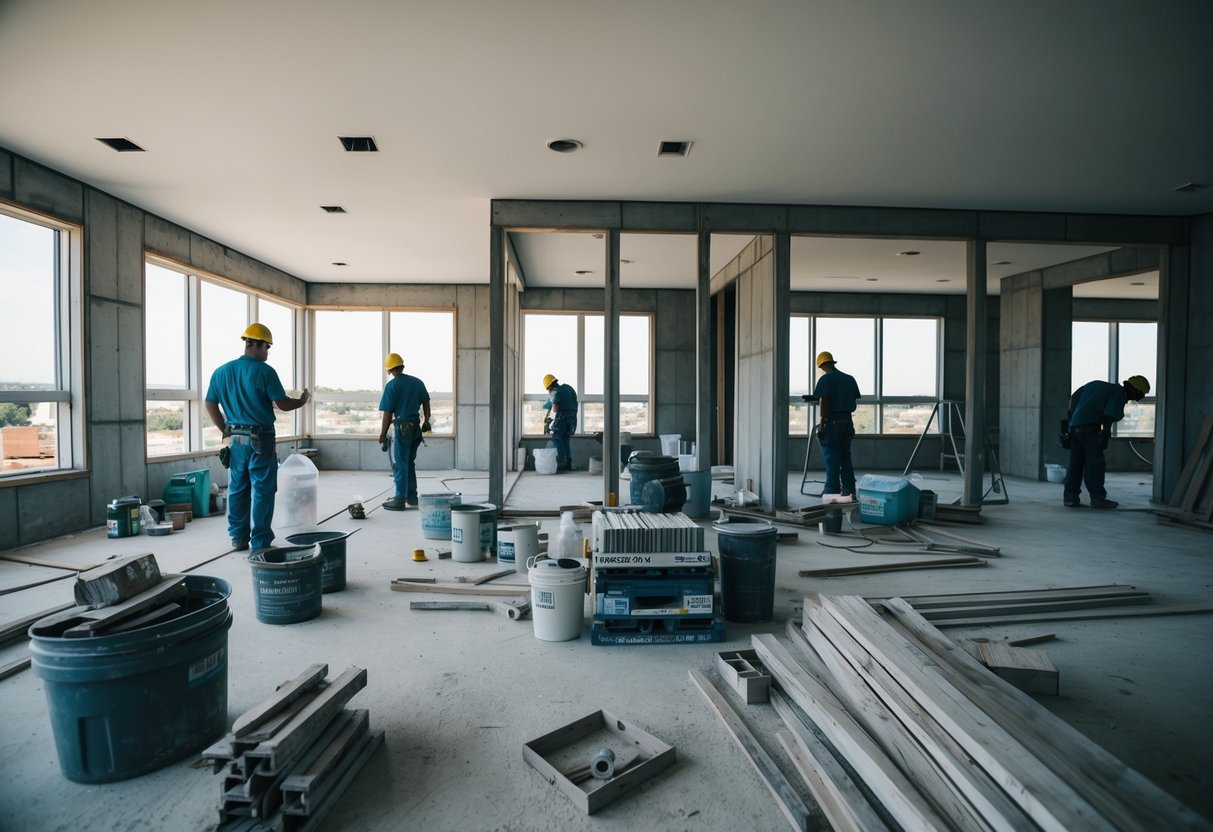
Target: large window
895, 362
350, 348
570, 346
39, 344
192, 325
1113, 351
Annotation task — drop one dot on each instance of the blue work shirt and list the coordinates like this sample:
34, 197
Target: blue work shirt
1098, 402
842, 389
246, 389
403, 396
565, 399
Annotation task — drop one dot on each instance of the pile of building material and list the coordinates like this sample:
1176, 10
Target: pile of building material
931, 738
287, 762
1191, 502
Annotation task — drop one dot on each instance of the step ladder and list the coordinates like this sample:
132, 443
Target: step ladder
950, 416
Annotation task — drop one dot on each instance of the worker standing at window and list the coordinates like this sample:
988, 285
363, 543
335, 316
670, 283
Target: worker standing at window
402, 398
564, 419
240, 401
838, 393
1094, 408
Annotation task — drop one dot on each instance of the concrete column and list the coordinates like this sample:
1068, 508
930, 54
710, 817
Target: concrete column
779, 384
496, 437
610, 374
704, 406
1172, 439
975, 375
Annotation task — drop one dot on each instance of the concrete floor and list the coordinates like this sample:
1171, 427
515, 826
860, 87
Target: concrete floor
459, 693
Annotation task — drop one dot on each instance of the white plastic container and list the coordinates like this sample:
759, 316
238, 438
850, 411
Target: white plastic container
298, 487
1055, 473
516, 543
473, 529
670, 443
545, 460
565, 542
557, 598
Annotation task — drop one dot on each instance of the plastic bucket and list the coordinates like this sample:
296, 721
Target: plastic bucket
671, 444
332, 548
646, 467
557, 598
130, 703
287, 583
747, 571
193, 487
436, 514
517, 543
1053, 473
545, 460
122, 517
886, 501
473, 527
699, 494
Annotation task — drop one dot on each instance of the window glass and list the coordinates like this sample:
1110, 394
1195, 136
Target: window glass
1088, 352
27, 313
909, 360
1138, 353
852, 341
426, 342
166, 428
281, 322
348, 417
166, 328
634, 340
1138, 421
349, 352
799, 360
224, 319
549, 346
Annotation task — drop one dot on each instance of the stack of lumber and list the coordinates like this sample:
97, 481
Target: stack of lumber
287, 762
1191, 502
932, 740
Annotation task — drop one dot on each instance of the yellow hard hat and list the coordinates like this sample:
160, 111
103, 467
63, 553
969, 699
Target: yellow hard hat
1139, 382
393, 360
825, 357
258, 332
548, 381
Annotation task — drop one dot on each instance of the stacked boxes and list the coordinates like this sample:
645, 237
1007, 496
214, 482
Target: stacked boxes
653, 581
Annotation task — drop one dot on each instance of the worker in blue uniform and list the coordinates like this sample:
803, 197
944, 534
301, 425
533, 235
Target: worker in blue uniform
564, 419
240, 401
1094, 408
838, 393
403, 397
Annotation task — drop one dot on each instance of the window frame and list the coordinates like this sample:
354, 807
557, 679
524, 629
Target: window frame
1113, 372
67, 396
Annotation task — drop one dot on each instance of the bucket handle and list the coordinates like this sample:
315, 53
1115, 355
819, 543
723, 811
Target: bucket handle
533, 559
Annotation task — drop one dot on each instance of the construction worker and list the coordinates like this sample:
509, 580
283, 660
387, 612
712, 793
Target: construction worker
1094, 408
403, 396
838, 393
240, 401
564, 419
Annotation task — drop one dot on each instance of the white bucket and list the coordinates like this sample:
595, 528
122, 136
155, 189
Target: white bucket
595, 466
517, 543
472, 531
545, 460
436, 514
1054, 473
557, 598
670, 444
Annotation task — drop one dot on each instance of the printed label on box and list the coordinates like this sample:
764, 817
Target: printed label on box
612, 605
544, 599
697, 603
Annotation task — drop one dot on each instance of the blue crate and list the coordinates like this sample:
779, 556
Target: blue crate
687, 593
676, 630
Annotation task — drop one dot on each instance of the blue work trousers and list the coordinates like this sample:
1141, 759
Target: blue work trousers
404, 460
836, 448
252, 479
562, 431
1086, 463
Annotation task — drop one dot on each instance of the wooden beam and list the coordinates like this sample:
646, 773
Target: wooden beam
460, 589
285, 694
896, 566
1077, 615
1029, 670
14, 667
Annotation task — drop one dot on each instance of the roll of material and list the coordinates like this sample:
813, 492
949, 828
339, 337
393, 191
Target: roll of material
602, 765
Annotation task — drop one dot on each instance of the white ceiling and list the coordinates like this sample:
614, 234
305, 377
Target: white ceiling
1087, 105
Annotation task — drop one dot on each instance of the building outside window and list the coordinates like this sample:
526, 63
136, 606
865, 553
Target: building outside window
40, 336
1112, 351
895, 362
569, 345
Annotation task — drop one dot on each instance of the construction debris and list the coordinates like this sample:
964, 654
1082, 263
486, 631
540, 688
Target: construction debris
514, 610
117, 581
1191, 502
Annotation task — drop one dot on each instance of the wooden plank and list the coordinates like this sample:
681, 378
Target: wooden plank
837, 795
117, 580
1029, 670
957, 599
161, 613
1049, 799
1113, 787
14, 667
950, 534
53, 564
891, 567
793, 808
33, 584
928, 754
1003, 610
477, 580
1077, 615
1186, 476
890, 786
460, 589
309, 723
96, 621
285, 694
18, 627
1026, 640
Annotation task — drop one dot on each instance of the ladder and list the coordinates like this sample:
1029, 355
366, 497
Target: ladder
950, 414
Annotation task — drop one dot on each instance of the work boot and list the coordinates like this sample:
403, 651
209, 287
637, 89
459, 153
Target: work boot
240, 545
1073, 503
1101, 502
394, 504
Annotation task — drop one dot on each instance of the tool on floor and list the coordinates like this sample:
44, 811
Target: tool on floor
419, 556
514, 610
477, 580
356, 510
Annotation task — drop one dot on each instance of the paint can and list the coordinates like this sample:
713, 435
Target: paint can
287, 583
516, 543
473, 531
332, 548
644, 468
436, 514
557, 598
122, 517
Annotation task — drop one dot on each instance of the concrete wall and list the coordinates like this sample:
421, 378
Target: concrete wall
115, 237
753, 456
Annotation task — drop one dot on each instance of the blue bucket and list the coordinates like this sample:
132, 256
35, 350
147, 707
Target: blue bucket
436, 514
287, 583
747, 570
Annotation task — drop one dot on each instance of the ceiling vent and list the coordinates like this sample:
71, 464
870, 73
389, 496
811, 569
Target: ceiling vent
1190, 188
565, 145
332, 209
673, 148
122, 145
359, 144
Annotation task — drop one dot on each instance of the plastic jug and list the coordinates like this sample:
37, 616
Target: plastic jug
565, 542
298, 482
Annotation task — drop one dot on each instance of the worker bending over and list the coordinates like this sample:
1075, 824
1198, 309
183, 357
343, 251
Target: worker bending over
838, 393
240, 401
1094, 408
403, 396
564, 419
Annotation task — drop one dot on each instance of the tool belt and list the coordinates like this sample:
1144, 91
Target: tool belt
408, 428
250, 430
260, 437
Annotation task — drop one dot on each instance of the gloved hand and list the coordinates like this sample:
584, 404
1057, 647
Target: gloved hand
547, 425
225, 456
1065, 434
821, 432
383, 443
305, 396
425, 427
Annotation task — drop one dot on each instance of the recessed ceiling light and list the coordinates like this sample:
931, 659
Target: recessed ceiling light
668, 148
339, 263
627, 262
122, 145
332, 209
583, 271
908, 253
943, 280
1191, 187
871, 279
565, 145
359, 144
1138, 283
1001, 263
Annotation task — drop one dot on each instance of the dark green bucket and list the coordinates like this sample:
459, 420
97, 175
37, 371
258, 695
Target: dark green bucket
287, 583
332, 547
131, 703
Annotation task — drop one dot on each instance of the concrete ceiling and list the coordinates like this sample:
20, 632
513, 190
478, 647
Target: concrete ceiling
1088, 105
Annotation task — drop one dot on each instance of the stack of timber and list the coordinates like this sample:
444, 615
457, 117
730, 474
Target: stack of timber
932, 739
1191, 502
287, 762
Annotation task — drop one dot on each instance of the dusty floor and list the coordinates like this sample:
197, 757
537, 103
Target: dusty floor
459, 693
